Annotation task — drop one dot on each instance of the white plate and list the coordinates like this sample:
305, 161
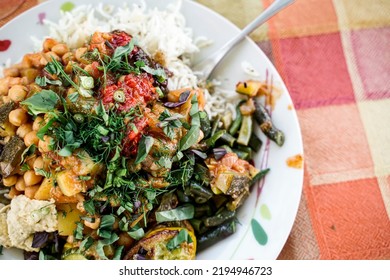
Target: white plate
266, 218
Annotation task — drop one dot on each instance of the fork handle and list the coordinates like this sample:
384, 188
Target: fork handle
208, 65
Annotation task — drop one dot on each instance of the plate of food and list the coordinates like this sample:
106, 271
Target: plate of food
112, 148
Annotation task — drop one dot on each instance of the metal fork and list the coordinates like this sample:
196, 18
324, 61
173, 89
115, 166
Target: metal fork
205, 68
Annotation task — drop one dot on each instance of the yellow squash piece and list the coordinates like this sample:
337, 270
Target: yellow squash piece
69, 183
43, 193
250, 87
67, 215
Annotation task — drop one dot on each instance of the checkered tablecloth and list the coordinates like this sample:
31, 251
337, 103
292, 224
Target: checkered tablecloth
334, 56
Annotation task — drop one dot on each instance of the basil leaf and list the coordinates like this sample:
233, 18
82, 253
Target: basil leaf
180, 213
136, 234
118, 253
190, 138
182, 237
65, 151
159, 73
107, 222
85, 244
144, 147
101, 243
123, 50
41, 102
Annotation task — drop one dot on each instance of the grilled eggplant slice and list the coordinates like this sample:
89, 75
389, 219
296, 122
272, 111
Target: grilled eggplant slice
11, 156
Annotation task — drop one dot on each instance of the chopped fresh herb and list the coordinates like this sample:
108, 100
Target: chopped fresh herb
136, 234
159, 73
144, 147
78, 232
180, 213
89, 206
181, 237
42, 102
44, 81
54, 67
169, 123
30, 150
42, 172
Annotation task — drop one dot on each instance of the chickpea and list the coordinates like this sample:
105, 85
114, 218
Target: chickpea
11, 72
20, 185
17, 93
69, 67
30, 191
14, 81
38, 123
37, 60
13, 192
38, 164
30, 178
50, 55
26, 61
48, 44
45, 145
10, 180
31, 138
67, 57
23, 130
93, 225
60, 49
18, 117
29, 74
79, 53
3, 86
88, 68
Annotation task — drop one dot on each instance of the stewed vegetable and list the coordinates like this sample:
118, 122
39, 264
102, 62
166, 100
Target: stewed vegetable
116, 166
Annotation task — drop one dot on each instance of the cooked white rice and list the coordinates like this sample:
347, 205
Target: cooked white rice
157, 31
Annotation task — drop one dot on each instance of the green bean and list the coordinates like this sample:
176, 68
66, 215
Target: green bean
210, 142
255, 142
264, 120
182, 197
203, 210
219, 218
198, 226
216, 234
205, 125
215, 125
199, 193
228, 139
237, 121
242, 154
